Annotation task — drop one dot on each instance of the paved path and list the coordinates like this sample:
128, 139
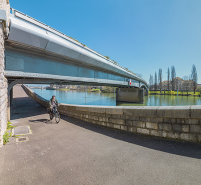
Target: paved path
75, 152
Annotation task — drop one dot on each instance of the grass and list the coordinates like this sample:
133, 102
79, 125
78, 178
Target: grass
6, 135
17, 136
185, 93
62, 89
94, 90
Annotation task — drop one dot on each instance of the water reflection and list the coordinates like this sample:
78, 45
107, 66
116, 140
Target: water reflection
165, 100
109, 99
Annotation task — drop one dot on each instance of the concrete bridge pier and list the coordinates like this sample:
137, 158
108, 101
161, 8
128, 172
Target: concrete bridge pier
146, 92
132, 95
4, 23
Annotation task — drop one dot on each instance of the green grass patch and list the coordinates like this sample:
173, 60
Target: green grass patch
17, 136
175, 93
154, 92
62, 89
93, 90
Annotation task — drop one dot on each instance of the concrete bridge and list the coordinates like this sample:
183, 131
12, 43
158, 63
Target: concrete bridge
91, 144
34, 53
37, 53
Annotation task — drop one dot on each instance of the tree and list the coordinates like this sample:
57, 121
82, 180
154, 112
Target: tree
177, 84
186, 83
160, 79
168, 77
150, 84
139, 74
194, 77
173, 76
155, 81
151, 81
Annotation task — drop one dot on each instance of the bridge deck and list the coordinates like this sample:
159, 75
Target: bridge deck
33, 50
76, 152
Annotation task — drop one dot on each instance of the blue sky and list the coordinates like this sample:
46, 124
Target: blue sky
142, 35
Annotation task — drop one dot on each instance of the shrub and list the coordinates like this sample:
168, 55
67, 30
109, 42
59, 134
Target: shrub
6, 138
9, 126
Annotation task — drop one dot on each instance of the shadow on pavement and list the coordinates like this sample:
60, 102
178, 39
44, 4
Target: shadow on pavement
182, 148
23, 107
47, 121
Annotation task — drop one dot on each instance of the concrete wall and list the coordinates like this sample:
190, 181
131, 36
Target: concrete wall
181, 122
4, 4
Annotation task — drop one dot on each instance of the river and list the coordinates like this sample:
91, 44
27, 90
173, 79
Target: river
109, 99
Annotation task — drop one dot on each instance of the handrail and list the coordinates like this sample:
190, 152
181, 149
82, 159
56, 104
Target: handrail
48, 28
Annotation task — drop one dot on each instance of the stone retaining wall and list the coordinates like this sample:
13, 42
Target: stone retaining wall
4, 4
174, 122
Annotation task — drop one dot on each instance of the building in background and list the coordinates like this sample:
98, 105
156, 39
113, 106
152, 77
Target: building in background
179, 83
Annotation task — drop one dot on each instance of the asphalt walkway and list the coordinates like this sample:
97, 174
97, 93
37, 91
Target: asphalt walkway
76, 152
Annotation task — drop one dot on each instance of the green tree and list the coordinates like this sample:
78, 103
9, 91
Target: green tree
194, 77
173, 76
160, 79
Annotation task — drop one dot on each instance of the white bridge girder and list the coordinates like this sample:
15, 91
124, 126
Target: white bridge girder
34, 50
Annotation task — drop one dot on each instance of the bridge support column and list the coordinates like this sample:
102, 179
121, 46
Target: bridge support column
132, 95
146, 92
4, 21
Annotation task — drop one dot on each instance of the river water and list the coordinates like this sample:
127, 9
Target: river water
109, 99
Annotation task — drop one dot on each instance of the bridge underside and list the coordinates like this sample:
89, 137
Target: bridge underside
35, 66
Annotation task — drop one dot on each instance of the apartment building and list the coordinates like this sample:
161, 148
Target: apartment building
178, 84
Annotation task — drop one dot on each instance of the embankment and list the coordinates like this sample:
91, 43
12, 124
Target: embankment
174, 122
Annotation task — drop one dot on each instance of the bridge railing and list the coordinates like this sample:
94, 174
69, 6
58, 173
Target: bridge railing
52, 30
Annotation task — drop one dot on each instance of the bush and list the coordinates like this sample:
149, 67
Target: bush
6, 136
9, 126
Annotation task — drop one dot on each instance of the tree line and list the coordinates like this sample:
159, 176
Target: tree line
155, 81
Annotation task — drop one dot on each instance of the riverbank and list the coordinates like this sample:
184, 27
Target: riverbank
180, 123
93, 90
91, 154
80, 90
174, 93
62, 89
106, 90
109, 90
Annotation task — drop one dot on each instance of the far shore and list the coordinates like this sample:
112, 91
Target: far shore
87, 90
174, 93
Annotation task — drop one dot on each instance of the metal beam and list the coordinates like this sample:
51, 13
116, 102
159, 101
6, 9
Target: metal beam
21, 81
62, 79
